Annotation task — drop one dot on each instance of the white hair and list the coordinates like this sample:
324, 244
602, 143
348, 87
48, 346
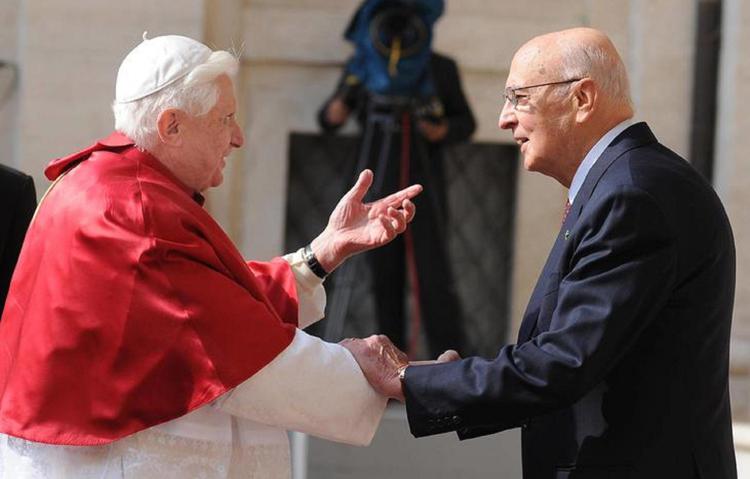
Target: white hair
585, 59
196, 94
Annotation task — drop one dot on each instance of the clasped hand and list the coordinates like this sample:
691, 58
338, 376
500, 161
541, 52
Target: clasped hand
381, 362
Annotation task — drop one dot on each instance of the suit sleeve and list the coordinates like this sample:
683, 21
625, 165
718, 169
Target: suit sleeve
621, 273
350, 93
313, 387
23, 211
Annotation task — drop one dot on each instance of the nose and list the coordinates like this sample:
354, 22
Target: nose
238, 138
507, 118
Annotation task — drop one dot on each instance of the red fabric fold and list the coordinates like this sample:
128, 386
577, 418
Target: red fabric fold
129, 305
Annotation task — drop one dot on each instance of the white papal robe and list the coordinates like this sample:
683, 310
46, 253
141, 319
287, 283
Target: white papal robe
313, 387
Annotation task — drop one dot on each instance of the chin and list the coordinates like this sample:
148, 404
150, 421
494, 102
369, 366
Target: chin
529, 164
216, 181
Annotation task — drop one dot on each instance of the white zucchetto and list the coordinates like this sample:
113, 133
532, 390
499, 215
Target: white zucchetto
157, 63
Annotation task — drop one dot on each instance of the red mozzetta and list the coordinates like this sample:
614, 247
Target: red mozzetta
129, 305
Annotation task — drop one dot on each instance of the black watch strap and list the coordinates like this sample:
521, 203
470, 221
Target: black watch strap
312, 262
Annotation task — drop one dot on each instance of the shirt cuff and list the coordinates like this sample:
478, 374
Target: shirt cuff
310, 291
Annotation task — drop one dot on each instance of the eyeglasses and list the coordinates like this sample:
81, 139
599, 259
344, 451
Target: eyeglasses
510, 93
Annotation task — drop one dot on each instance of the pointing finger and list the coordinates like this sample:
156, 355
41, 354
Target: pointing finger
398, 197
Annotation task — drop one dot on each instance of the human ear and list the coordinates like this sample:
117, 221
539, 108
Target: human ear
169, 126
585, 98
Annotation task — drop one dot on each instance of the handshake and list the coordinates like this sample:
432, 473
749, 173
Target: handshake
382, 363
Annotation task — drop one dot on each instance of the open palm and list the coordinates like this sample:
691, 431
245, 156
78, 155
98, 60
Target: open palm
355, 226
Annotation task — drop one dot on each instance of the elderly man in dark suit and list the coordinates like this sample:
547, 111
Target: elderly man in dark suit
621, 365
18, 197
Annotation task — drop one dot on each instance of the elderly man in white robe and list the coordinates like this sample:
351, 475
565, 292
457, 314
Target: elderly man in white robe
305, 384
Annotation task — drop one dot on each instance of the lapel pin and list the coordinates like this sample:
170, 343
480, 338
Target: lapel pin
567, 235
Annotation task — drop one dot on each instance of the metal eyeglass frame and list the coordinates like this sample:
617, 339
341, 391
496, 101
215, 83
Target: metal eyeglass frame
510, 93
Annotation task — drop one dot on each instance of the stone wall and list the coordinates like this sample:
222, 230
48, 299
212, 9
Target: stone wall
69, 52
9, 11
733, 183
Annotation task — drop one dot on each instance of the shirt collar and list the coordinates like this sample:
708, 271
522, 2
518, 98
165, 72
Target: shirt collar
594, 153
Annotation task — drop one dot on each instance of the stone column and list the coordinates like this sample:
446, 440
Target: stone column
9, 80
224, 24
732, 180
292, 52
660, 63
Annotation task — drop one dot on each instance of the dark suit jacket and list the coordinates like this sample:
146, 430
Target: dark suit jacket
621, 365
18, 197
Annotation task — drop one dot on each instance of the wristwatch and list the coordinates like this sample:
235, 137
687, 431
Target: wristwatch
312, 262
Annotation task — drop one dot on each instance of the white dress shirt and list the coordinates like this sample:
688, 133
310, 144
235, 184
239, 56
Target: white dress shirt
590, 159
312, 386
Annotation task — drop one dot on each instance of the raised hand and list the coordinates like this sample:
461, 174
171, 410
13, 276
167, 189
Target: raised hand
337, 112
434, 132
355, 226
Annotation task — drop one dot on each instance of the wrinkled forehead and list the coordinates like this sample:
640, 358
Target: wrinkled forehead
226, 91
533, 63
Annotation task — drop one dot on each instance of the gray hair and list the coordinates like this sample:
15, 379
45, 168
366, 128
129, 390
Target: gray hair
581, 59
195, 94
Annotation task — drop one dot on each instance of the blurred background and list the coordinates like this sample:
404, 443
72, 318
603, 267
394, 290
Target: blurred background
689, 65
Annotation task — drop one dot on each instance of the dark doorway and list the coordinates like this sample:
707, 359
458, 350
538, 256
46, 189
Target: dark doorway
481, 183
